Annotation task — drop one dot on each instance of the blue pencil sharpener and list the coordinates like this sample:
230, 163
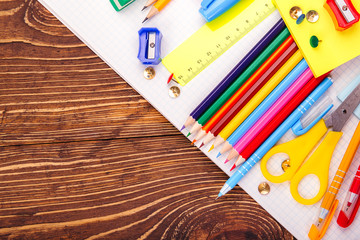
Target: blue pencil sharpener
149, 46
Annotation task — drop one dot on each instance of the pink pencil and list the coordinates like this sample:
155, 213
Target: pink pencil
271, 113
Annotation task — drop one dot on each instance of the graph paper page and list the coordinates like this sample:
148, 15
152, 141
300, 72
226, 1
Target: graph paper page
114, 37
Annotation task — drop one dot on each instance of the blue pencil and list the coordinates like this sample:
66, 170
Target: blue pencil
265, 105
277, 134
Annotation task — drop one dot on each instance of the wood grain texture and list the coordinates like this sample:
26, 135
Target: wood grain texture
83, 156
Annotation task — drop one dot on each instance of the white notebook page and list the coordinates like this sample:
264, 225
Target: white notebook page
113, 36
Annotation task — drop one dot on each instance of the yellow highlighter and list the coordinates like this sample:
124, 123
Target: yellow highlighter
258, 98
329, 203
300, 148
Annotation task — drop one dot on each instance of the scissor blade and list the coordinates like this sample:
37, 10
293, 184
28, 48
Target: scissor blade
340, 116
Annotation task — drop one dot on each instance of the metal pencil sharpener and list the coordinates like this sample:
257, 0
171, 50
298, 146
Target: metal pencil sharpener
149, 46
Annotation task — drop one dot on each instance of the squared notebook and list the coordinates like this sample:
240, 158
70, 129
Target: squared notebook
114, 37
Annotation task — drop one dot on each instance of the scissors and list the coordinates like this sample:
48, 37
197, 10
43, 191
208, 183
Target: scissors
299, 148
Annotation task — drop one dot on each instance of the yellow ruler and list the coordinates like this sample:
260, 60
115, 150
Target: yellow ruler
214, 38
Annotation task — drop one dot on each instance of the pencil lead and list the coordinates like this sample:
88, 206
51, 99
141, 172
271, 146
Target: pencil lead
211, 148
192, 143
145, 20
219, 154
182, 128
217, 198
188, 134
202, 144
144, 8
234, 166
226, 161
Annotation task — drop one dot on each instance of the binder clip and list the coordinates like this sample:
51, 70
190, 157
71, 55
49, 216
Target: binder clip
343, 13
149, 46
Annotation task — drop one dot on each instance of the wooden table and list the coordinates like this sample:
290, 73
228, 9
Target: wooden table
85, 156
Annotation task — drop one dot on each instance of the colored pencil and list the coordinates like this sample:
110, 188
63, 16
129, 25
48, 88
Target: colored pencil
245, 87
285, 112
149, 3
257, 99
270, 114
235, 72
240, 80
275, 136
265, 105
158, 6
215, 130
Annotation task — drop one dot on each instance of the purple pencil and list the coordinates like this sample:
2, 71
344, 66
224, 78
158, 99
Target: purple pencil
235, 72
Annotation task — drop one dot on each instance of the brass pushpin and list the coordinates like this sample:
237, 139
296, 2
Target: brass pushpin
264, 188
149, 73
312, 16
295, 12
174, 91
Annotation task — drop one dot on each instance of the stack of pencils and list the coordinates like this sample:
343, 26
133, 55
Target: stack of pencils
247, 106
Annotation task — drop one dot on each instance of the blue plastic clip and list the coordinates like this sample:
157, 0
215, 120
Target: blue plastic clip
149, 46
298, 128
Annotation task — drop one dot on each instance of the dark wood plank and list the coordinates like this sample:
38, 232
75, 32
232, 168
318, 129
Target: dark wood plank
55, 89
82, 155
123, 189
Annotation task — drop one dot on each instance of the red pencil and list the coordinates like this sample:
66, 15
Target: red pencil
245, 87
214, 131
284, 113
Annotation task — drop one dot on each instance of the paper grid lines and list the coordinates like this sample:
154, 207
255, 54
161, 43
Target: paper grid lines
113, 36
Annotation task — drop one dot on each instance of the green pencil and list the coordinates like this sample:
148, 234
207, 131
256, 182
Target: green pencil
240, 80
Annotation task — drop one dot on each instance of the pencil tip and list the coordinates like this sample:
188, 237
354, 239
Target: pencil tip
219, 154
182, 128
144, 8
192, 143
188, 134
202, 144
226, 161
216, 198
234, 166
211, 148
145, 20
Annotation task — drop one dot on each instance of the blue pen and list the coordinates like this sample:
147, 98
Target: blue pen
265, 105
212, 9
277, 134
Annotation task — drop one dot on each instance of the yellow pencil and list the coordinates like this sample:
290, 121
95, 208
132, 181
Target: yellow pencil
158, 6
257, 99
149, 3
318, 229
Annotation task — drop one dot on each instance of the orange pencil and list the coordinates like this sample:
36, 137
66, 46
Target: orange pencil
245, 87
158, 6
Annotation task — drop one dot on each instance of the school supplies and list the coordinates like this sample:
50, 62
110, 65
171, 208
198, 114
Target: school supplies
329, 203
149, 3
257, 99
215, 38
285, 112
246, 86
336, 47
240, 80
149, 46
318, 163
343, 95
214, 131
270, 114
158, 6
343, 13
265, 105
351, 204
271, 141
235, 72
211, 9
120, 4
